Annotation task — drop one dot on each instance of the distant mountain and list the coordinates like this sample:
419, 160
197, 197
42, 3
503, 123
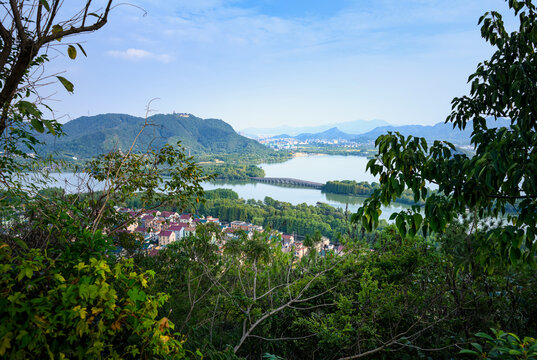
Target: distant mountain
90, 136
330, 134
440, 131
352, 127
281, 136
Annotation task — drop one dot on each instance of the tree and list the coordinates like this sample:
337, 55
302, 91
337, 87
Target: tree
64, 293
502, 173
29, 29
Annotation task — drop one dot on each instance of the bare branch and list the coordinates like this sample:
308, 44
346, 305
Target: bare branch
76, 30
85, 16
292, 300
17, 18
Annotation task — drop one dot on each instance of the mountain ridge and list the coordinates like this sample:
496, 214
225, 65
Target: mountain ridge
439, 131
88, 136
330, 134
352, 127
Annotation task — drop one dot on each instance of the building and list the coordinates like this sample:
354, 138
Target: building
178, 229
166, 237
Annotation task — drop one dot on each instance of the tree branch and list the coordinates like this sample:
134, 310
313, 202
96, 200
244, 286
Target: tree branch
17, 18
76, 30
6, 48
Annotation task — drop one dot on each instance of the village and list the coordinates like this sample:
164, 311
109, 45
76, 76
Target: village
161, 228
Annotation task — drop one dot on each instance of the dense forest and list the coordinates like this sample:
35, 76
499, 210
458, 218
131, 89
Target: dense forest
235, 172
364, 188
401, 298
300, 220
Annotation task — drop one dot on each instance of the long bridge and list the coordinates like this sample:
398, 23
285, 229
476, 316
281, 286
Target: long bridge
288, 181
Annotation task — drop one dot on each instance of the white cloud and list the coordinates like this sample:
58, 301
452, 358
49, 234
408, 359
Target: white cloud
139, 54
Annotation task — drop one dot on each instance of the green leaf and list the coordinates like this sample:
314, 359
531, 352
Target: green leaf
478, 347
5, 343
400, 223
71, 51
21, 243
66, 84
82, 49
417, 220
136, 295
28, 271
45, 4
485, 336
468, 351
37, 125
515, 254
28, 108
49, 126
514, 335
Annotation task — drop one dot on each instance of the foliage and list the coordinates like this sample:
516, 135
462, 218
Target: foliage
364, 188
18, 141
164, 177
221, 300
349, 187
501, 173
334, 149
503, 346
300, 219
221, 194
27, 31
62, 273
92, 309
235, 172
405, 299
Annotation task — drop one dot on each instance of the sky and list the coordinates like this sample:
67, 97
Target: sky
269, 63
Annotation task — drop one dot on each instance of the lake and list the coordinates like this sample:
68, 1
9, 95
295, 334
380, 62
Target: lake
317, 168
322, 168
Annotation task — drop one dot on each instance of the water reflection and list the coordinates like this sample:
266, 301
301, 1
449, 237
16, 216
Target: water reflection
311, 168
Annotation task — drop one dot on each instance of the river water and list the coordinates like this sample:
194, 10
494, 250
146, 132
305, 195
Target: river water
317, 168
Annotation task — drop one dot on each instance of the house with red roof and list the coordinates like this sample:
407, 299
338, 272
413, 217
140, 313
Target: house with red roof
147, 220
166, 237
213, 220
179, 230
288, 239
169, 215
185, 218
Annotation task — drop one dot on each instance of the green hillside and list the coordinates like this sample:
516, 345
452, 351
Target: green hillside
92, 135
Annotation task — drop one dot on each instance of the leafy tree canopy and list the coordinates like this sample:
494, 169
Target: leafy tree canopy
503, 170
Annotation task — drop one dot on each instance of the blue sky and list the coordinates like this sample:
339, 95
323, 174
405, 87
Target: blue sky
272, 62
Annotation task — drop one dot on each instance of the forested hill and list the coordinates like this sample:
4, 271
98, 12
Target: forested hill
88, 136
